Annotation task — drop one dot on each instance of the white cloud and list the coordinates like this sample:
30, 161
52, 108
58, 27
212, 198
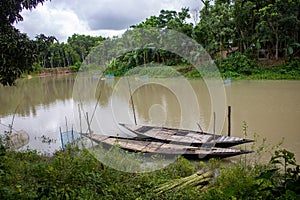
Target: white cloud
49, 21
63, 18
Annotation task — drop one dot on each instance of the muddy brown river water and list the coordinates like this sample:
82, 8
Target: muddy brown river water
40, 106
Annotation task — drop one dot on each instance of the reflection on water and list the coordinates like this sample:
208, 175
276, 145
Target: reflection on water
38, 106
28, 94
42, 105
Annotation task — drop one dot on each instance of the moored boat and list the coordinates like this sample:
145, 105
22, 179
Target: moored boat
183, 136
166, 149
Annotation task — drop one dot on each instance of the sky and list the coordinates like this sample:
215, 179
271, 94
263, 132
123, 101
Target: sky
63, 18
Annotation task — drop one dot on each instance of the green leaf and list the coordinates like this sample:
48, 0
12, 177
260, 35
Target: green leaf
290, 50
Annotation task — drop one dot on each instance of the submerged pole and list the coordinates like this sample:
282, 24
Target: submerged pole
229, 120
199, 126
80, 123
61, 139
73, 139
131, 98
214, 131
67, 129
90, 130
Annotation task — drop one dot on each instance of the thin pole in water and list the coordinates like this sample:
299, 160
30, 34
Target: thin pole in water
61, 139
73, 139
90, 131
229, 120
131, 98
80, 123
214, 131
67, 129
199, 126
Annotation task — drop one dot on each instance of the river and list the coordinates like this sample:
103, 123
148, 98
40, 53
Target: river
43, 105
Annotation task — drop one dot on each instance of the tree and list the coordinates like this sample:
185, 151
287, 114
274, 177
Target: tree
43, 44
83, 44
169, 19
17, 55
278, 21
216, 29
245, 20
16, 49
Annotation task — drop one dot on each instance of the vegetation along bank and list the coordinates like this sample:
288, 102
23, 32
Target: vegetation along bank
247, 39
76, 174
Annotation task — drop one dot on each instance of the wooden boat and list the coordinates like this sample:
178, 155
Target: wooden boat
166, 149
182, 136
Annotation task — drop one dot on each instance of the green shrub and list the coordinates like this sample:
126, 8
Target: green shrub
237, 64
76, 174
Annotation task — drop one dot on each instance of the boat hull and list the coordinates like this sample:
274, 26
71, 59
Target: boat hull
165, 149
182, 136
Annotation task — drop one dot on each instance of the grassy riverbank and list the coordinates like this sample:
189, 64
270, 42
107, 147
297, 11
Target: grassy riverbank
38, 71
236, 66
76, 174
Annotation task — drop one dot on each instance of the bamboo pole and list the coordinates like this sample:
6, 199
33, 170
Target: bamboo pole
214, 130
198, 179
80, 123
199, 126
90, 130
61, 139
67, 129
229, 120
131, 98
72, 133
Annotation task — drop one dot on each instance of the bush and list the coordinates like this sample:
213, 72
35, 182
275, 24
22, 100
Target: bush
237, 64
76, 174
259, 181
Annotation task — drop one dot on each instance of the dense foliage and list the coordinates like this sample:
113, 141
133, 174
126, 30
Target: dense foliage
240, 35
76, 174
279, 179
258, 30
52, 54
20, 54
16, 49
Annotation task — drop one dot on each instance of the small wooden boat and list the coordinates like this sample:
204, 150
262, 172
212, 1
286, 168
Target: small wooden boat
166, 149
182, 136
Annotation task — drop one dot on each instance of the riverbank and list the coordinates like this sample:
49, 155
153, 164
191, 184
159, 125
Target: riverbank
75, 173
55, 71
237, 68
282, 72
43, 72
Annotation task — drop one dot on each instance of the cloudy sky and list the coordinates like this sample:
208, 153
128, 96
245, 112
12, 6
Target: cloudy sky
63, 18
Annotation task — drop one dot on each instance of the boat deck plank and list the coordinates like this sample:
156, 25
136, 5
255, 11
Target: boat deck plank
174, 149
184, 136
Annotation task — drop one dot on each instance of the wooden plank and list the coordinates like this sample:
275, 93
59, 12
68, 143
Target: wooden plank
184, 136
143, 129
152, 147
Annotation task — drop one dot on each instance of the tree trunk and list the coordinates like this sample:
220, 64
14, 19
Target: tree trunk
277, 44
243, 41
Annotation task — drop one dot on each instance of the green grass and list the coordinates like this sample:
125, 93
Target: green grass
77, 174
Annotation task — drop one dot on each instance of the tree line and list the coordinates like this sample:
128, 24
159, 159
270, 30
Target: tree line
51, 53
257, 29
19, 53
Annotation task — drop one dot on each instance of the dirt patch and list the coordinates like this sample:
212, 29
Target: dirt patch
185, 70
270, 62
55, 71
